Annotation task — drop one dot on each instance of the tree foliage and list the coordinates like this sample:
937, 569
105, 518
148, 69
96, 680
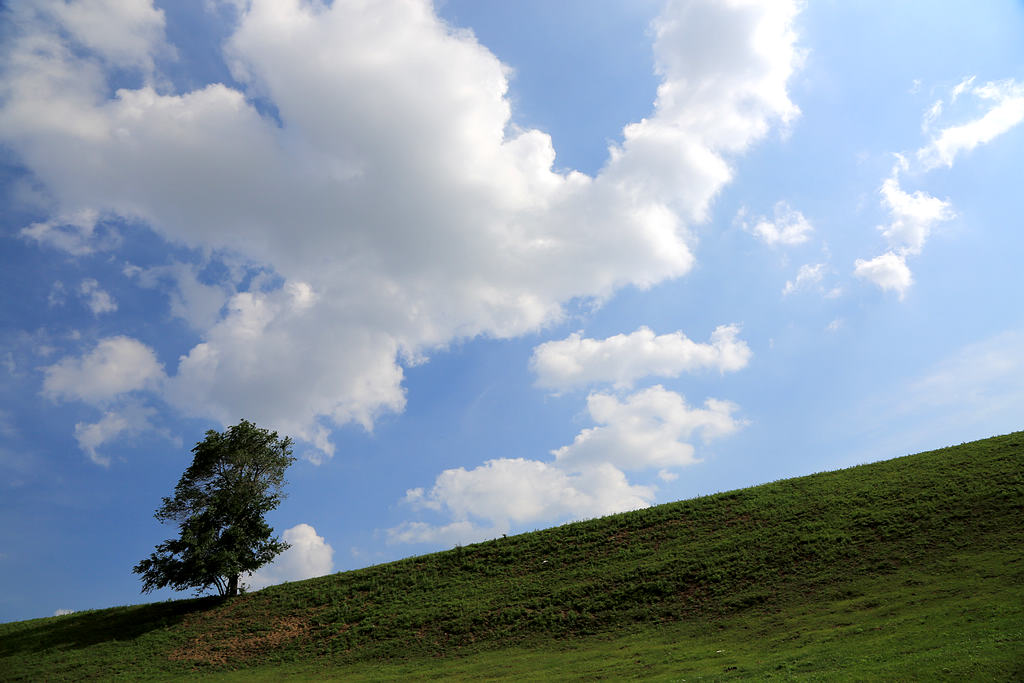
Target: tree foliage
219, 504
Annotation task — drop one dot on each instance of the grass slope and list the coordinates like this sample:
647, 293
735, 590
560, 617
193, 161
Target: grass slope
908, 568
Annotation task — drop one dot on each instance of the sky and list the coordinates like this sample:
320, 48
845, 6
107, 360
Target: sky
493, 266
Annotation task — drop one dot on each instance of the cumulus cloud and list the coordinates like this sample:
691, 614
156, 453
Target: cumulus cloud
117, 365
667, 475
98, 300
125, 34
913, 215
1005, 110
889, 271
912, 218
108, 376
358, 379
622, 359
399, 207
806, 276
456, 533
508, 491
63, 612
309, 556
649, 429
76, 233
198, 303
58, 294
788, 227
130, 419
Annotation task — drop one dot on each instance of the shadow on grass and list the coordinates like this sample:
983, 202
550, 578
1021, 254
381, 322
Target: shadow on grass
85, 629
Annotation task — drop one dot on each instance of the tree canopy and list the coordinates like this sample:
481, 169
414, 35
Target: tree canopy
235, 478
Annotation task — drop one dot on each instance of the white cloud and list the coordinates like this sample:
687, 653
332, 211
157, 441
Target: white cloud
58, 294
649, 429
888, 271
74, 233
788, 227
913, 215
667, 476
623, 359
116, 366
334, 367
807, 275
960, 88
63, 612
309, 556
456, 533
930, 116
400, 196
130, 419
126, 33
507, 491
197, 303
1005, 112
98, 300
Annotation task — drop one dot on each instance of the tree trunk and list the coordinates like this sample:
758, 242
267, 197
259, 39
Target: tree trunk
232, 585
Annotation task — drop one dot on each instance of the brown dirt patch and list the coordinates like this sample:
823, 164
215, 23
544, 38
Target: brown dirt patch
221, 642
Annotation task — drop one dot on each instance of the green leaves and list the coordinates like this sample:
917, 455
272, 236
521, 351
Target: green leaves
219, 504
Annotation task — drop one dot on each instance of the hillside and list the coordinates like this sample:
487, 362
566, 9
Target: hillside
912, 567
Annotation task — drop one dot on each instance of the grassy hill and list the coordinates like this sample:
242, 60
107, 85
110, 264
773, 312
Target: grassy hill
908, 568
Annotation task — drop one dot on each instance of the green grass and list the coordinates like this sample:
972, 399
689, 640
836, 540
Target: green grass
911, 568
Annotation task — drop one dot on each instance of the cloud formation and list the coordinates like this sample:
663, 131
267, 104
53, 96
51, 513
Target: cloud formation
1006, 110
309, 556
622, 359
914, 215
508, 491
76, 233
98, 300
806, 276
649, 429
129, 419
888, 271
400, 209
116, 366
788, 227
912, 218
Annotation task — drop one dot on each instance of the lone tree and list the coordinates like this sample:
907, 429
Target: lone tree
219, 503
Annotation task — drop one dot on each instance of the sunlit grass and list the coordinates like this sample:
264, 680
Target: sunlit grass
909, 568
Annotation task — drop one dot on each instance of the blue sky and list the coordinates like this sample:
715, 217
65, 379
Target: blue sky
495, 266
